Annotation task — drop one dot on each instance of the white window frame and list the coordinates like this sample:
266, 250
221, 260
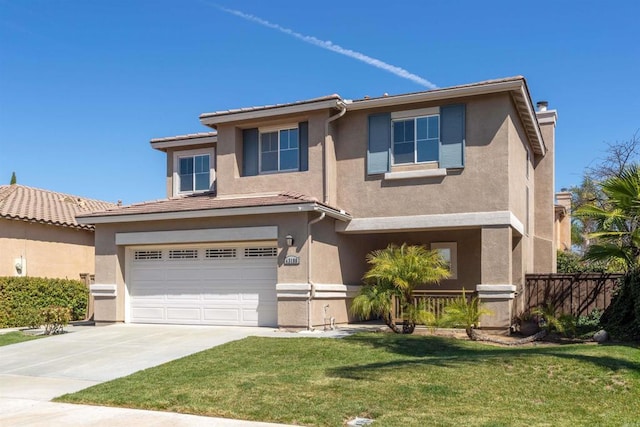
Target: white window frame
406, 116
276, 129
177, 155
453, 252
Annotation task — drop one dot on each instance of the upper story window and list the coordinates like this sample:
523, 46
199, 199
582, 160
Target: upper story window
193, 171
416, 140
426, 135
279, 150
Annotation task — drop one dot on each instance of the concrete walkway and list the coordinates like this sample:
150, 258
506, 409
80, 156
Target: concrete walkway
34, 372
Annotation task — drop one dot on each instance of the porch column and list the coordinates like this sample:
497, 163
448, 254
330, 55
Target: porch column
496, 292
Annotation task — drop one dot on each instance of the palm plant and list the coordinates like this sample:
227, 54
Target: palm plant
617, 222
394, 273
465, 313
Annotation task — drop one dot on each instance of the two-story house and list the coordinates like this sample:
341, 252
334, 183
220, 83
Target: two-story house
269, 217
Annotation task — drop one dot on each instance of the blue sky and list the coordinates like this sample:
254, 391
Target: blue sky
84, 85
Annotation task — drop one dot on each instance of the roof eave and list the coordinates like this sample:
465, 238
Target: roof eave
205, 213
179, 143
213, 119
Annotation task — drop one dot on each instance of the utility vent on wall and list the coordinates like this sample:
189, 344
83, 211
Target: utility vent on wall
260, 252
220, 253
147, 255
183, 254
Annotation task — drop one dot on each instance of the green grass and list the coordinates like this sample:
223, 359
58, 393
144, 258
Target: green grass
397, 380
16, 337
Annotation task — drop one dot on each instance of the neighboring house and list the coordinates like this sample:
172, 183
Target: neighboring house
269, 218
39, 235
563, 221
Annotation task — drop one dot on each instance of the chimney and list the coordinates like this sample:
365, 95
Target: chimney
542, 106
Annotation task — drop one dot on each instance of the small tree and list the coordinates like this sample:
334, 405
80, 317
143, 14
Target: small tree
13, 179
395, 272
465, 313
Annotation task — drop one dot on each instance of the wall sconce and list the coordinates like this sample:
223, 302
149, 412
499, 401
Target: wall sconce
289, 239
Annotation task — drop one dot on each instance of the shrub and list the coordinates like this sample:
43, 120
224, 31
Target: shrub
22, 297
622, 318
55, 319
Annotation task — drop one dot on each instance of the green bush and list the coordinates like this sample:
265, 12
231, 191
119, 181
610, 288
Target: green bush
622, 318
22, 298
55, 319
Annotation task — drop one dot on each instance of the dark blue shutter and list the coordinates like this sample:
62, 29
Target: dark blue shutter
452, 136
303, 128
378, 152
250, 152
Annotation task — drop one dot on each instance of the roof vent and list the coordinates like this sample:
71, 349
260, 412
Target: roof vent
542, 106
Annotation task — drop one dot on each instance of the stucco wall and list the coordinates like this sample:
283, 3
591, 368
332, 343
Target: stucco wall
49, 251
111, 265
479, 187
229, 160
544, 215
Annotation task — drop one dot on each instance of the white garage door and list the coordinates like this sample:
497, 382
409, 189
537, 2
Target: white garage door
208, 286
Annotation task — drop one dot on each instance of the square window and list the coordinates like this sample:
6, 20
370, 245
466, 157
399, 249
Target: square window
416, 140
449, 252
194, 173
280, 150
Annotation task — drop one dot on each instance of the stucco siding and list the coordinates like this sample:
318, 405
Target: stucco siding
229, 161
480, 186
49, 251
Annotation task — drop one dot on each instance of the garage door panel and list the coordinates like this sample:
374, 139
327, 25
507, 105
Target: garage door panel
183, 313
148, 314
218, 291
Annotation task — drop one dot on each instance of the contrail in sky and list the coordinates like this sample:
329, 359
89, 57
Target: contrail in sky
325, 44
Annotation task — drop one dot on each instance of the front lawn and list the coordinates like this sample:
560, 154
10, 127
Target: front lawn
16, 337
397, 380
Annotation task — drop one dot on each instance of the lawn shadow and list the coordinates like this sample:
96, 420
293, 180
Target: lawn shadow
450, 352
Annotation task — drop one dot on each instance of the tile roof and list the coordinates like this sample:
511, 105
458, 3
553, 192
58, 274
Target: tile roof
183, 137
267, 107
482, 83
24, 203
207, 201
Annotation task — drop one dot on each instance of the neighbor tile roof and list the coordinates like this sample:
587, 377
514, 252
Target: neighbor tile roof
206, 201
24, 203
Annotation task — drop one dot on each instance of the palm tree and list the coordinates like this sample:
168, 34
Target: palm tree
618, 239
462, 312
617, 221
395, 272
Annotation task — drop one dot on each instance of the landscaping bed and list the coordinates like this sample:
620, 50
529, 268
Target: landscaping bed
398, 380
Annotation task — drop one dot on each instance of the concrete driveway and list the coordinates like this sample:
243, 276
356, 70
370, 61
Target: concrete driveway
34, 372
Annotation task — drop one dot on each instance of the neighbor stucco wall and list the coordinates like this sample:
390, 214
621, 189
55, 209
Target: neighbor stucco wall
49, 251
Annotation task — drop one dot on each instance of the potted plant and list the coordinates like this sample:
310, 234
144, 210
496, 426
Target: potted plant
528, 323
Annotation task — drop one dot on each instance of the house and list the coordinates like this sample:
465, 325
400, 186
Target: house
269, 216
39, 235
563, 221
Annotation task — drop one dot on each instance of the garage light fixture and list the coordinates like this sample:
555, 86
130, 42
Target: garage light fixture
289, 239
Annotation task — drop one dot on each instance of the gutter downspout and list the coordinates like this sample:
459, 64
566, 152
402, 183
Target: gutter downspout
343, 110
312, 289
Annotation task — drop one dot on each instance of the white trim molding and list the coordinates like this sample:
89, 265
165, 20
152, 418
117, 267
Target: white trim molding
496, 291
293, 290
430, 222
426, 173
103, 290
328, 291
197, 236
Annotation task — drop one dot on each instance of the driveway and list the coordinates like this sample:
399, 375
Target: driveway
34, 372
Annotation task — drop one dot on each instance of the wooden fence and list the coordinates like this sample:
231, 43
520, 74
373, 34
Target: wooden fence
577, 294
432, 300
